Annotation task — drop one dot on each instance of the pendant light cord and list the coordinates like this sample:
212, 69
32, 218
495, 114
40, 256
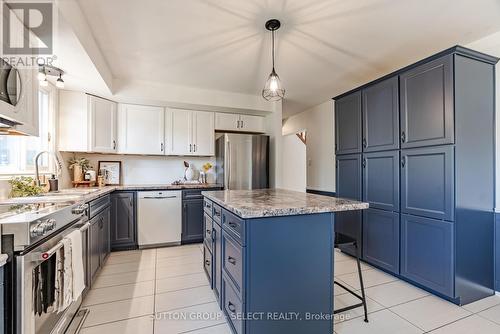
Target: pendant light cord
272, 34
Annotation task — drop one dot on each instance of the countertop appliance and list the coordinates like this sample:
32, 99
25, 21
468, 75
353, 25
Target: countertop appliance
159, 218
242, 161
30, 236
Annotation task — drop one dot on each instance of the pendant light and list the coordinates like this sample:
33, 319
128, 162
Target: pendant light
273, 90
60, 82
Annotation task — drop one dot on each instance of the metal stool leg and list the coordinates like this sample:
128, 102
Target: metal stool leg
361, 282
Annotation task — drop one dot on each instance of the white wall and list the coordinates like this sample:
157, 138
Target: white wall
294, 163
138, 169
319, 124
491, 45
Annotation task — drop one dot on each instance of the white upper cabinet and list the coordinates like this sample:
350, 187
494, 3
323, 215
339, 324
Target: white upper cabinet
239, 123
102, 125
227, 122
192, 132
141, 129
181, 134
203, 133
86, 123
249, 123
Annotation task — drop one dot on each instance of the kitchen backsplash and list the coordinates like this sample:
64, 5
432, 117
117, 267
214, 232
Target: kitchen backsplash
137, 169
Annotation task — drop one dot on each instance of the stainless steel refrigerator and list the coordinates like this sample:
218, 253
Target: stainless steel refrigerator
242, 161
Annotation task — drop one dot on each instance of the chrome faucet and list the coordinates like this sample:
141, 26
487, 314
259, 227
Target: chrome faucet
56, 159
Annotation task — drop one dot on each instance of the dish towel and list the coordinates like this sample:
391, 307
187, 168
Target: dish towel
66, 289
78, 275
58, 285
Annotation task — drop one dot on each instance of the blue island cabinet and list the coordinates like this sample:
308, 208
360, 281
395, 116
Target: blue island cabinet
276, 273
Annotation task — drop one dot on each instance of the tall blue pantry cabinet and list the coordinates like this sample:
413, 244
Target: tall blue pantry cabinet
418, 145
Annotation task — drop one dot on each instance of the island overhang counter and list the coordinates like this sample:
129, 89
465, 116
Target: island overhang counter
268, 254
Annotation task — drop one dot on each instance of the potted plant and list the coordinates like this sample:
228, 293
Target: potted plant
23, 186
79, 167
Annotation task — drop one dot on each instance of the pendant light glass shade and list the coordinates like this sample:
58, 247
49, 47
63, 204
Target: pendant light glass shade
273, 90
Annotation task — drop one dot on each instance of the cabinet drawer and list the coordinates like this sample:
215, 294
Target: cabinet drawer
207, 263
217, 214
192, 194
207, 231
232, 261
98, 205
233, 225
207, 206
232, 306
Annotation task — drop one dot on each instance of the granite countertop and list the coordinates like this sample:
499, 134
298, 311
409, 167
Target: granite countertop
279, 202
89, 194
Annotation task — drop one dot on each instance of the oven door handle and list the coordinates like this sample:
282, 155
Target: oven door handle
84, 227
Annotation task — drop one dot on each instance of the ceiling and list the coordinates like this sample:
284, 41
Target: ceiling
324, 47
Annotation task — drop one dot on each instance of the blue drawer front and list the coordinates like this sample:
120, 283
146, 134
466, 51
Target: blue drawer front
233, 225
232, 261
232, 306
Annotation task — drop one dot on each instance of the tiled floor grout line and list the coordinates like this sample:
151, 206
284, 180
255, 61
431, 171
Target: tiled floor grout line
154, 293
183, 307
118, 300
115, 321
191, 287
408, 321
197, 329
447, 324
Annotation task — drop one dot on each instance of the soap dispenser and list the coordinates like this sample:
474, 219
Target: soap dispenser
53, 183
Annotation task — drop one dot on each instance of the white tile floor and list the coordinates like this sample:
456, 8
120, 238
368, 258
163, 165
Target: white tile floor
146, 291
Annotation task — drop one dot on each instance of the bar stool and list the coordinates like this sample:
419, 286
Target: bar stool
344, 240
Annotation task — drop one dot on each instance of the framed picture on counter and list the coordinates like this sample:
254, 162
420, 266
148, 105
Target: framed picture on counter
111, 170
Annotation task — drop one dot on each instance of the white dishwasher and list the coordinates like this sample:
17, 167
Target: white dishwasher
159, 218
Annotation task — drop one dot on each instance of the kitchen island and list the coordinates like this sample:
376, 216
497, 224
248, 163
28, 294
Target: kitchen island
269, 258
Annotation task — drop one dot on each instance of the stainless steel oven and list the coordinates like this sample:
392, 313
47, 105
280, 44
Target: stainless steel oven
27, 322
31, 235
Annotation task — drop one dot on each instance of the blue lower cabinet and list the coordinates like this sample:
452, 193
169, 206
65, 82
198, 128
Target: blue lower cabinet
427, 253
381, 239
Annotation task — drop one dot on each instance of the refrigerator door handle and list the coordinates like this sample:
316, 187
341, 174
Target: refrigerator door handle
228, 165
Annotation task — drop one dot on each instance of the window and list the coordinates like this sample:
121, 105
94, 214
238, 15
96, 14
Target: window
17, 153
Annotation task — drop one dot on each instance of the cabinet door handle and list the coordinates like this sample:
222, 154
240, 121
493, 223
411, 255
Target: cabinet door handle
238, 124
207, 262
194, 148
364, 163
403, 162
161, 147
231, 260
233, 225
209, 231
231, 307
114, 144
190, 147
403, 136
364, 143
242, 124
